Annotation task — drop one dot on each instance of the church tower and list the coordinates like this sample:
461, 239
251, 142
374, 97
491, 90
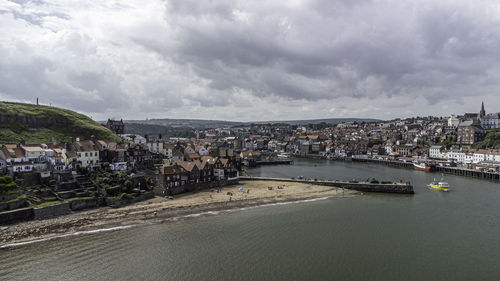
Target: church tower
482, 113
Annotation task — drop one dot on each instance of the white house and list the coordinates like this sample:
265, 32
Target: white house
388, 148
457, 156
490, 121
22, 167
87, 154
453, 121
156, 146
435, 151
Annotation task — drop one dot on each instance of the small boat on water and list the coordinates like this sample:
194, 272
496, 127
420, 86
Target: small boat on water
424, 166
441, 185
284, 155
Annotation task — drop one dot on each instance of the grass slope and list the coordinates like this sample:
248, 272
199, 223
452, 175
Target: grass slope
81, 126
492, 140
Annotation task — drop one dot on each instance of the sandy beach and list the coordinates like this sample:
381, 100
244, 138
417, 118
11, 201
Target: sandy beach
253, 193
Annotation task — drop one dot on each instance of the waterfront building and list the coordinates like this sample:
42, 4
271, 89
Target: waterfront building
435, 152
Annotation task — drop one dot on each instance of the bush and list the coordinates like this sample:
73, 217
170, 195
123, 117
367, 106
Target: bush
5, 180
113, 190
124, 196
6, 187
128, 186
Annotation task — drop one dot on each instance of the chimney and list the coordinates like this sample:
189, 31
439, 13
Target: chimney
54, 142
92, 138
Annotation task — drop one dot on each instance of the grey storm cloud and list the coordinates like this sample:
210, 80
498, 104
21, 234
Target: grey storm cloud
252, 60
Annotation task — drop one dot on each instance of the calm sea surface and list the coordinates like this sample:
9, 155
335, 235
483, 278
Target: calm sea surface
428, 236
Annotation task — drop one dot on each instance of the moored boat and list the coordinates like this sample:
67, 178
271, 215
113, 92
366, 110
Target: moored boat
424, 166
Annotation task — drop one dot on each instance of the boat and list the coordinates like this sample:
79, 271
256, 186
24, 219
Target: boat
284, 155
424, 166
440, 185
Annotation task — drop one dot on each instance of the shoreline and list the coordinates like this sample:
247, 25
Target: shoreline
159, 210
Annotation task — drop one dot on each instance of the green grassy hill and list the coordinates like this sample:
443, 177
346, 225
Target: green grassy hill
492, 140
39, 123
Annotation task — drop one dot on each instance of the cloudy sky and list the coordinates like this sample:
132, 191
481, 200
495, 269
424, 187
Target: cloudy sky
252, 60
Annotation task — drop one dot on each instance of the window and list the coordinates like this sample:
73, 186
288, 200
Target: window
86, 154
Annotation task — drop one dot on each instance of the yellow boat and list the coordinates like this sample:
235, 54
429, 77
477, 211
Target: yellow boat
440, 185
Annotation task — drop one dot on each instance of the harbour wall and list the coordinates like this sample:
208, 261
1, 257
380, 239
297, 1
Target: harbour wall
383, 187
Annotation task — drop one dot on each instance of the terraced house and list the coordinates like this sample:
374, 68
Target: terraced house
87, 154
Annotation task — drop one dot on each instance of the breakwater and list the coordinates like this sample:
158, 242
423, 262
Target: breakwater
448, 170
374, 186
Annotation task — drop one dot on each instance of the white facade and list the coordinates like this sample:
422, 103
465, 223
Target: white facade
479, 157
490, 121
88, 158
156, 147
457, 156
22, 167
435, 152
453, 121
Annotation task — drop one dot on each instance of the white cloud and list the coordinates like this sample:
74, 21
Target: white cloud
245, 60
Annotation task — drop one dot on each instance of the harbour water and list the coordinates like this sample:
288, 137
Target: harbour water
427, 236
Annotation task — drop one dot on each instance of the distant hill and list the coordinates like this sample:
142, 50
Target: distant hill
39, 123
157, 125
185, 123
318, 121
155, 130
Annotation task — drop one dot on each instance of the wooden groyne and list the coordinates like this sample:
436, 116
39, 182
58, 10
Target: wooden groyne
373, 186
441, 169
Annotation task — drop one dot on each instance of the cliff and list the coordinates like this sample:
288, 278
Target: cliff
39, 123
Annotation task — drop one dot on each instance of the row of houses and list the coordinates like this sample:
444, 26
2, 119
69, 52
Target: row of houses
471, 156
73, 155
207, 169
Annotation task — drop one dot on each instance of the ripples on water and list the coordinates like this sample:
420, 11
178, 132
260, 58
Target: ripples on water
428, 236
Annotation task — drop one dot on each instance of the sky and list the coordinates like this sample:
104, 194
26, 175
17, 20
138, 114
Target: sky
256, 60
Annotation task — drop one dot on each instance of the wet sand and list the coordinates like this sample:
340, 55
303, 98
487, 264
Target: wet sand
157, 209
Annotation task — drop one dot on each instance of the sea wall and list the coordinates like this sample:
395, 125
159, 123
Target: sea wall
76, 205
16, 215
51, 211
142, 197
160, 191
